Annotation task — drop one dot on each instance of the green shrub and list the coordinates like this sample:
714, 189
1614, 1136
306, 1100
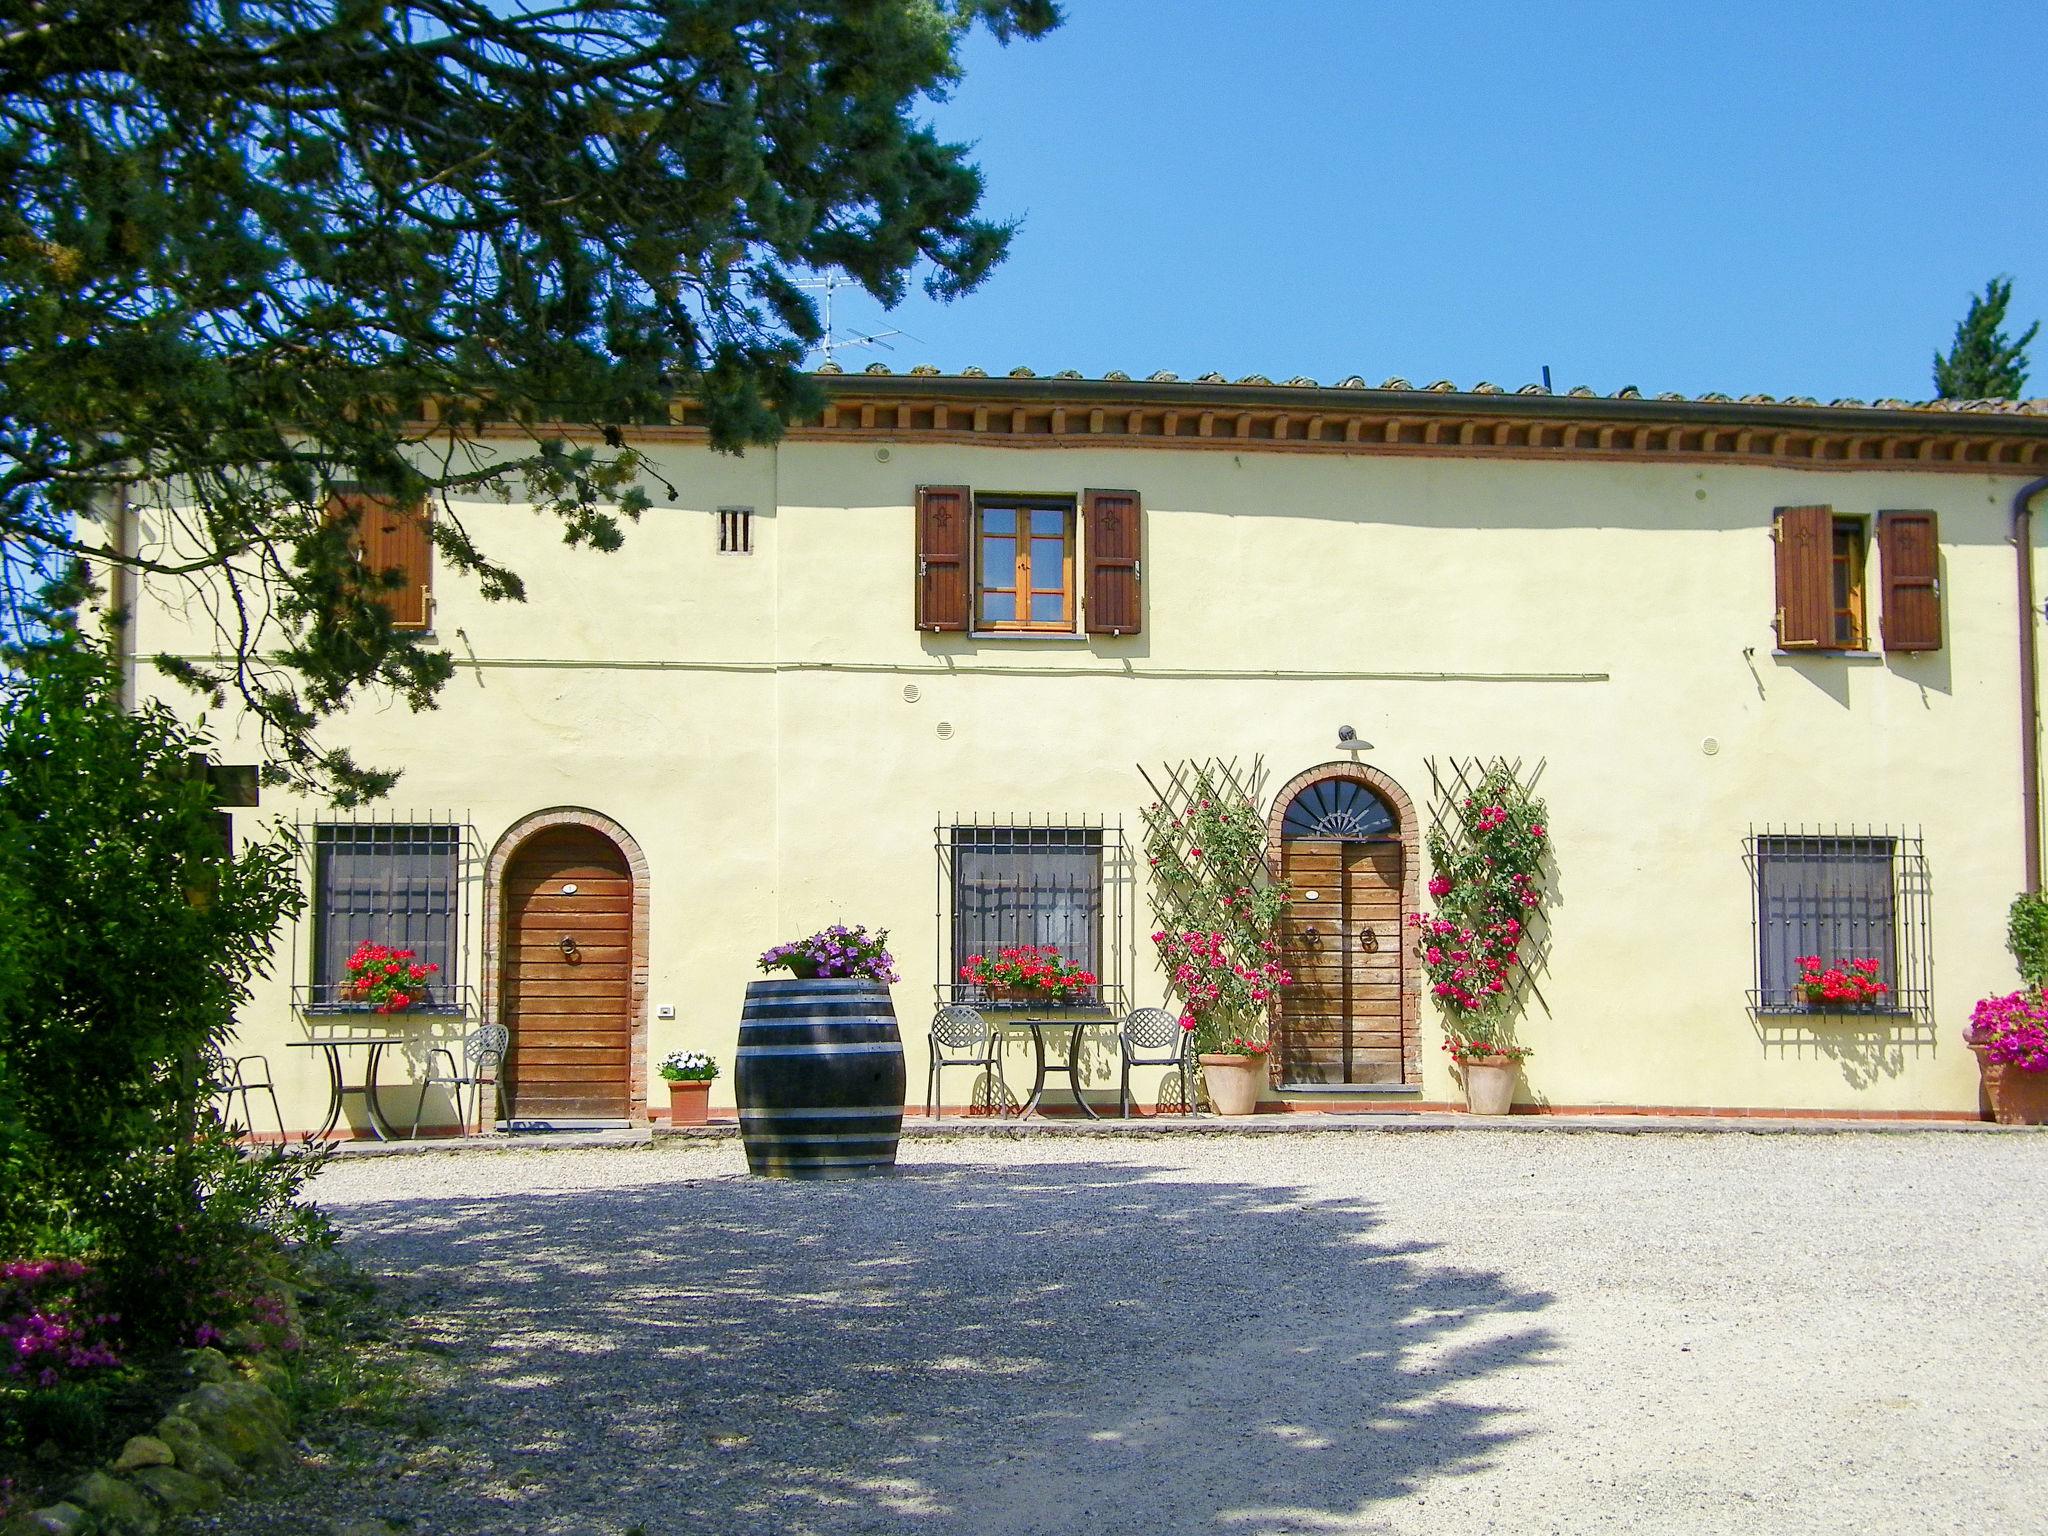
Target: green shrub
128, 937
2026, 935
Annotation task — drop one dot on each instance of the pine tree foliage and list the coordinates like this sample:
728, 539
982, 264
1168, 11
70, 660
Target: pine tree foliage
1984, 363
247, 245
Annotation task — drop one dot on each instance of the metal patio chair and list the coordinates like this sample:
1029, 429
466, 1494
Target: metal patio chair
483, 1057
243, 1075
961, 1037
1152, 1037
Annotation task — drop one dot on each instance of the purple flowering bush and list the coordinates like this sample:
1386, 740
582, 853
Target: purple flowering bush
48, 1331
2013, 1030
836, 951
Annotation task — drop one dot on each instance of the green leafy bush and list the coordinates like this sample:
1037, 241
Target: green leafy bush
2026, 935
128, 937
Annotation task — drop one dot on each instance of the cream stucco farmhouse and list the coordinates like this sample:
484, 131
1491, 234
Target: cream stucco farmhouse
1773, 660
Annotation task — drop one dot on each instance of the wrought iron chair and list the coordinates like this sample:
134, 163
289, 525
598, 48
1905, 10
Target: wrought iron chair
483, 1054
1152, 1037
243, 1075
961, 1037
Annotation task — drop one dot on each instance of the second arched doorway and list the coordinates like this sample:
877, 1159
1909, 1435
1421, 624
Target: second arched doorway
1342, 837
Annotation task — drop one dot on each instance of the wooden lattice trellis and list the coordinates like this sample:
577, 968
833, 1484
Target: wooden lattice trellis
1451, 780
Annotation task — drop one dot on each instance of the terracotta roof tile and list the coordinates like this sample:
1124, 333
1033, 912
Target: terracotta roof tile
1398, 384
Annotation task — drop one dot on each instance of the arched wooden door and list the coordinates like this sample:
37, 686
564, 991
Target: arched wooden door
568, 964
1344, 938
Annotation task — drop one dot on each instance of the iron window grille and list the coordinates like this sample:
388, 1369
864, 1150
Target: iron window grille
1033, 880
1841, 893
405, 881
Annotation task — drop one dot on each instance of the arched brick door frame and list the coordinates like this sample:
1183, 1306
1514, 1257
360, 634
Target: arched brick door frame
502, 852
1395, 798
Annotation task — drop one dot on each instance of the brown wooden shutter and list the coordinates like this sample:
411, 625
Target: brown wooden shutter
1908, 547
942, 532
391, 538
1111, 528
1806, 552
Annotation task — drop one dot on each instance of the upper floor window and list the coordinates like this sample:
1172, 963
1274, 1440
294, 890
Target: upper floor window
1846, 588
394, 546
1024, 577
1018, 564
1825, 597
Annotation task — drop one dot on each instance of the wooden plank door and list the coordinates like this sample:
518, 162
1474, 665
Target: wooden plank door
1344, 941
569, 1004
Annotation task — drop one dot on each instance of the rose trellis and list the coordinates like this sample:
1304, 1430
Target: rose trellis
1216, 908
1488, 846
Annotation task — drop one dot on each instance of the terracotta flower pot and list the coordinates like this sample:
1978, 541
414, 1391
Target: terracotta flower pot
1987, 1081
1233, 1082
2019, 1098
1489, 1084
689, 1103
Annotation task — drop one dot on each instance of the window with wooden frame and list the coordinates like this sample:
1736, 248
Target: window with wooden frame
1004, 563
393, 544
1820, 577
1845, 587
1024, 565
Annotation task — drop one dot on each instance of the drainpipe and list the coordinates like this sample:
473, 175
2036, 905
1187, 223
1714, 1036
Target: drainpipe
124, 589
2030, 702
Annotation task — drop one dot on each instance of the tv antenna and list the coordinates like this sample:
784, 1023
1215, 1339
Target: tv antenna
831, 341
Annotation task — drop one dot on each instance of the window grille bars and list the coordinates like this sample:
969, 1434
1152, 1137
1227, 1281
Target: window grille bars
407, 879
1032, 878
1842, 893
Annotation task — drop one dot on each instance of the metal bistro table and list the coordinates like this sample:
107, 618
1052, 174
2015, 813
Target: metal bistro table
337, 1085
1071, 1021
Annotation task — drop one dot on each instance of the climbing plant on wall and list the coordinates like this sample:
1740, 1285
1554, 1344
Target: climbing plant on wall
1215, 907
1488, 845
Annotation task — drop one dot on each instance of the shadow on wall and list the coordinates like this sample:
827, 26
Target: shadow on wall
1037, 1348
1868, 1051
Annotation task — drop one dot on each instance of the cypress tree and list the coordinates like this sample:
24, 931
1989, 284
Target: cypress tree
1984, 363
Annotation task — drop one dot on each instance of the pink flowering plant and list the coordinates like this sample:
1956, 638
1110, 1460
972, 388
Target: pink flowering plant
2013, 1030
389, 980
1218, 910
50, 1330
1487, 858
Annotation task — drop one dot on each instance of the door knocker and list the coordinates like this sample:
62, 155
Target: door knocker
1310, 937
1368, 940
570, 952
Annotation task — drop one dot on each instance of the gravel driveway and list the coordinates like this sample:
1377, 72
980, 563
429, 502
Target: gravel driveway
1433, 1333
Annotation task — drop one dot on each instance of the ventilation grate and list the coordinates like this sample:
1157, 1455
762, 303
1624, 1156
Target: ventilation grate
735, 530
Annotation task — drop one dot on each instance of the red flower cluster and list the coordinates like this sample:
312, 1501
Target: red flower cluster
389, 980
1238, 1046
1205, 975
1470, 963
1028, 968
1846, 983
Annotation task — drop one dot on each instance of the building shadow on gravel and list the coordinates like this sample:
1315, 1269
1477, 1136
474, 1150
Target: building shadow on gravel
1015, 1349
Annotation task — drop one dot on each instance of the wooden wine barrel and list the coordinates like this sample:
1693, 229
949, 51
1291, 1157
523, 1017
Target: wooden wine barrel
819, 1078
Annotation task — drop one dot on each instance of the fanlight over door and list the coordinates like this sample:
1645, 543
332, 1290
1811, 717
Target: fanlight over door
1339, 809
1343, 938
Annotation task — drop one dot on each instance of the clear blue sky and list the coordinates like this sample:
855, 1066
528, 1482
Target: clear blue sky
1789, 198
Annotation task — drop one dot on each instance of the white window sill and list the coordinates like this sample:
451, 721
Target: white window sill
1822, 653
1056, 636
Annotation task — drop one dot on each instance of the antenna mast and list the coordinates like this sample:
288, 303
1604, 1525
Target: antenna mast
831, 342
